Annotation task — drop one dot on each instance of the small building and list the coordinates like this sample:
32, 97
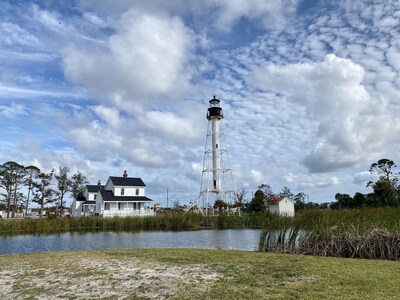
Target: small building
123, 196
85, 205
282, 206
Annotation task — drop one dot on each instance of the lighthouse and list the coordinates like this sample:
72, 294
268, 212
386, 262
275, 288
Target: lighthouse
214, 115
216, 178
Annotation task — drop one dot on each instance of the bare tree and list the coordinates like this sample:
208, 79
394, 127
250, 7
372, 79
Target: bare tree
240, 196
176, 205
286, 192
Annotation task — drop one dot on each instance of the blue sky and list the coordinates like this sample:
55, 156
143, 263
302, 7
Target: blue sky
309, 89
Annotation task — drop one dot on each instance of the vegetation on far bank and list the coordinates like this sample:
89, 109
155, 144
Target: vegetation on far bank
46, 189
363, 219
193, 274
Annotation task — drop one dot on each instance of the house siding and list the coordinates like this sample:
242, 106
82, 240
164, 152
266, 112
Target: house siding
285, 207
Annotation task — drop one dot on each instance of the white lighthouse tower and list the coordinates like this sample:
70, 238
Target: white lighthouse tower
216, 179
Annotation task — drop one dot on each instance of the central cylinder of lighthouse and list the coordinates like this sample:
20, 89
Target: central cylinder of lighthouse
214, 114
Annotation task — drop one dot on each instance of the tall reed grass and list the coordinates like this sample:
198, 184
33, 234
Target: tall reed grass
363, 220
376, 244
362, 233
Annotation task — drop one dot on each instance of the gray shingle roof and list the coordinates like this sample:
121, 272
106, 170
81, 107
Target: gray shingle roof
127, 181
89, 202
93, 188
108, 196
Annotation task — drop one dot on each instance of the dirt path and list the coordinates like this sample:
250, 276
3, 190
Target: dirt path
94, 275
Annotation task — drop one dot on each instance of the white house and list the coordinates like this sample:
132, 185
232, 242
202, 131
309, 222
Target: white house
123, 196
282, 206
85, 206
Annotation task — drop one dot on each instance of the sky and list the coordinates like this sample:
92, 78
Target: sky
309, 90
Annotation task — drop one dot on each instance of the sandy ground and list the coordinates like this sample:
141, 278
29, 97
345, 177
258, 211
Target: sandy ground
80, 276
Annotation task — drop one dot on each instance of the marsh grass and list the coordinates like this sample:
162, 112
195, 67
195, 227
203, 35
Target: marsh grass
364, 220
353, 243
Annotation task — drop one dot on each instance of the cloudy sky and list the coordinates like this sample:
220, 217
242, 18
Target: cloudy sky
309, 89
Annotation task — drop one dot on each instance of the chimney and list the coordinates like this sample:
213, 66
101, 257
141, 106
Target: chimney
125, 174
99, 184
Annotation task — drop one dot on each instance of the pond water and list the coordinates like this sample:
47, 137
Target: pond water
229, 239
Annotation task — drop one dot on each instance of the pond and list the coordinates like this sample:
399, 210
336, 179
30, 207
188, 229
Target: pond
229, 239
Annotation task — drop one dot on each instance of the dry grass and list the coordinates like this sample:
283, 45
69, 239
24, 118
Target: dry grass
374, 244
193, 274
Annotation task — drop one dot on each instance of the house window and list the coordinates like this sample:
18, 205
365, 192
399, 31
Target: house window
120, 206
134, 205
106, 206
95, 196
122, 191
137, 192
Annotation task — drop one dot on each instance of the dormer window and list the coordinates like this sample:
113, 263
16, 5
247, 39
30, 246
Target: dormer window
122, 191
137, 192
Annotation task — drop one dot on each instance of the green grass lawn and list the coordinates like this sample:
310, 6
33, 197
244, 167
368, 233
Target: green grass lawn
194, 274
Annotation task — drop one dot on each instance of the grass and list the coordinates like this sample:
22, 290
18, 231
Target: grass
364, 219
374, 244
194, 274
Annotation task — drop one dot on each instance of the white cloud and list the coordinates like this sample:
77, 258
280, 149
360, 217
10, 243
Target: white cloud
170, 126
364, 177
321, 182
271, 14
256, 175
13, 110
349, 119
110, 115
147, 57
220, 14
13, 34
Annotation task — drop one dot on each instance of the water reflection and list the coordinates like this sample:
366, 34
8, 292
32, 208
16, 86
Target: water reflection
239, 239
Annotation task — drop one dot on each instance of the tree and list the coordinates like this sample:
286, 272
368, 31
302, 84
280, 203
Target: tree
43, 191
371, 200
257, 203
385, 193
77, 186
267, 190
220, 204
240, 200
11, 175
383, 168
63, 186
359, 199
344, 200
386, 187
299, 201
286, 192
175, 205
31, 174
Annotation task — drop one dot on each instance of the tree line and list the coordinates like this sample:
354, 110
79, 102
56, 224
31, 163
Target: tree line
42, 188
385, 193
385, 190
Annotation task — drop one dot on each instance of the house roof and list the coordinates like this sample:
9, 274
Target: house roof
127, 181
93, 188
276, 200
89, 202
109, 197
